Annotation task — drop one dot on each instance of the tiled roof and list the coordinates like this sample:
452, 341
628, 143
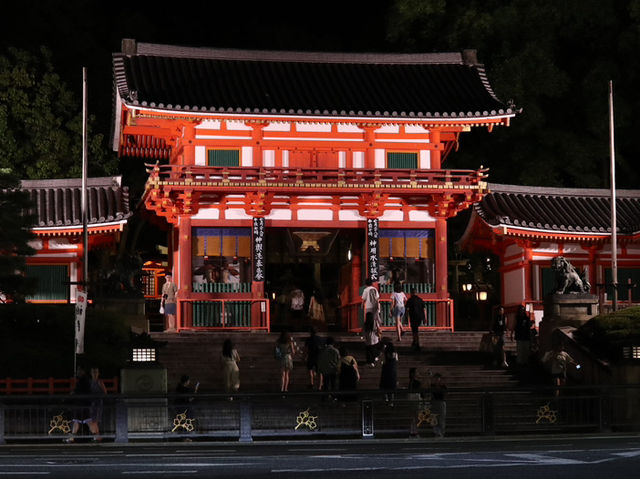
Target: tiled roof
560, 210
441, 86
58, 202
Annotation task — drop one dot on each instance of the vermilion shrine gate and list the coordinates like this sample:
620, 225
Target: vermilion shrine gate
283, 170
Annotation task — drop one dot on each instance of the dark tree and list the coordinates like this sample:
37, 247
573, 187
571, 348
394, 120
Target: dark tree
554, 59
16, 220
41, 122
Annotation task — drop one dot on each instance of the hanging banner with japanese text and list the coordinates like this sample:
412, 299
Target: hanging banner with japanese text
258, 249
373, 250
81, 311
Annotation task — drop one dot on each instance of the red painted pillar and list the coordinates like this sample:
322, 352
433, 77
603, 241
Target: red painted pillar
189, 146
528, 271
369, 152
436, 153
442, 275
184, 269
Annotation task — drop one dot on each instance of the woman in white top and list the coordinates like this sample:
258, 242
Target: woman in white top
398, 300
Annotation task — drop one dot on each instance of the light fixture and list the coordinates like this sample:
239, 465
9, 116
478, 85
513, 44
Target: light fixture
466, 287
481, 295
349, 255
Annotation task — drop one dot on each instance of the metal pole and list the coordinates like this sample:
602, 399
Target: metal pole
614, 224
85, 236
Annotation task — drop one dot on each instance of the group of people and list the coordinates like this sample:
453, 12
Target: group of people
522, 332
401, 306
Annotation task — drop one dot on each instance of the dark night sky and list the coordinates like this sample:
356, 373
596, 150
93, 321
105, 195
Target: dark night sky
86, 33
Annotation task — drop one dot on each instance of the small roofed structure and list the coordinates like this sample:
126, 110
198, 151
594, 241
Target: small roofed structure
526, 227
59, 246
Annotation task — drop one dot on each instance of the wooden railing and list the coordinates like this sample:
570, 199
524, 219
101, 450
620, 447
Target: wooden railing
223, 314
49, 385
327, 178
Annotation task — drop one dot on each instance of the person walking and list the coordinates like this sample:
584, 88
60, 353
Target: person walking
371, 337
230, 369
97, 389
349, 375
82, 405
312, 346
329, 364
439, 404
522, 333
316, 311
498, 329
559, 361
398, 300
286, 350
169, 302
417, 316
370, 299
389, 374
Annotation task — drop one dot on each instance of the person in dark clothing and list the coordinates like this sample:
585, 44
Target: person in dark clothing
415, 396
82, 405
389, 375
186, 392
498, 329
416, 312
328, 365
348, 376
312, 346
522, 332
439, 404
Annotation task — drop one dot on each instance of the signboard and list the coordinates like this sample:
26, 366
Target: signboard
81, 311
373, 249
258, 249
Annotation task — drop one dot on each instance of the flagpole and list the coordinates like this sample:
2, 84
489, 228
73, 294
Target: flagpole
614, 224
79, 328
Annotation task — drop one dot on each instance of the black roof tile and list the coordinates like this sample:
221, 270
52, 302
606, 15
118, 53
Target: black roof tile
450, 85
57, 203
560, 209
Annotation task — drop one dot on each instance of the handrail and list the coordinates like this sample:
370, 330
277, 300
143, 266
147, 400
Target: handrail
49, 385
205, 176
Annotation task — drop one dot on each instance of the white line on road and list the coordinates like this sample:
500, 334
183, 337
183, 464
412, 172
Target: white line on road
160, 472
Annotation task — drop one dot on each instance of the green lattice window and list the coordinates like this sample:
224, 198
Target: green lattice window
402, 160
52, 282
223, 157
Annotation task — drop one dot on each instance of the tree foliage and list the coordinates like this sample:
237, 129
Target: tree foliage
15, 234
554, 59
41, 121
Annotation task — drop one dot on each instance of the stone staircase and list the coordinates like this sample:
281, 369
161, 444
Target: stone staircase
454, 355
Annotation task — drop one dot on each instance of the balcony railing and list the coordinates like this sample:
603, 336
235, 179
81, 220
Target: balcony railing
223, 314
203, 177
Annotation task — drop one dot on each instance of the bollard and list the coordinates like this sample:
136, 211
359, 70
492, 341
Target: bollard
367, 419
246, 417
2, 440
122, 421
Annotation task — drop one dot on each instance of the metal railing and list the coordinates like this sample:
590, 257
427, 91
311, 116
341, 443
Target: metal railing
439, 315
223, 314
348, 414
49, 385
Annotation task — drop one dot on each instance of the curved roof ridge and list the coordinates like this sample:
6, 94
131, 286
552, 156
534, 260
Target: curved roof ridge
130, 47
559, 191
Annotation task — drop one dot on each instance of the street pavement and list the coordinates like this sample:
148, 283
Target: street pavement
563, 457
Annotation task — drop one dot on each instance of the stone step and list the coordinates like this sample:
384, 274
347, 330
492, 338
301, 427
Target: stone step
454, 355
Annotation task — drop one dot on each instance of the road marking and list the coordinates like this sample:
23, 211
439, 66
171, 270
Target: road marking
160, 472
627, 454
3, 473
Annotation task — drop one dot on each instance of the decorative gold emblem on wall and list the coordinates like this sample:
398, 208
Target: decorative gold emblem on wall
60, 423
306, 420
546, 414
181, 421
427, 417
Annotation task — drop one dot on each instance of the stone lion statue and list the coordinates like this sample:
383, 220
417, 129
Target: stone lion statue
568, 279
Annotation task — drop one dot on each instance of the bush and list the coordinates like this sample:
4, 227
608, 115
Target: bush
38, 341
606, 333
